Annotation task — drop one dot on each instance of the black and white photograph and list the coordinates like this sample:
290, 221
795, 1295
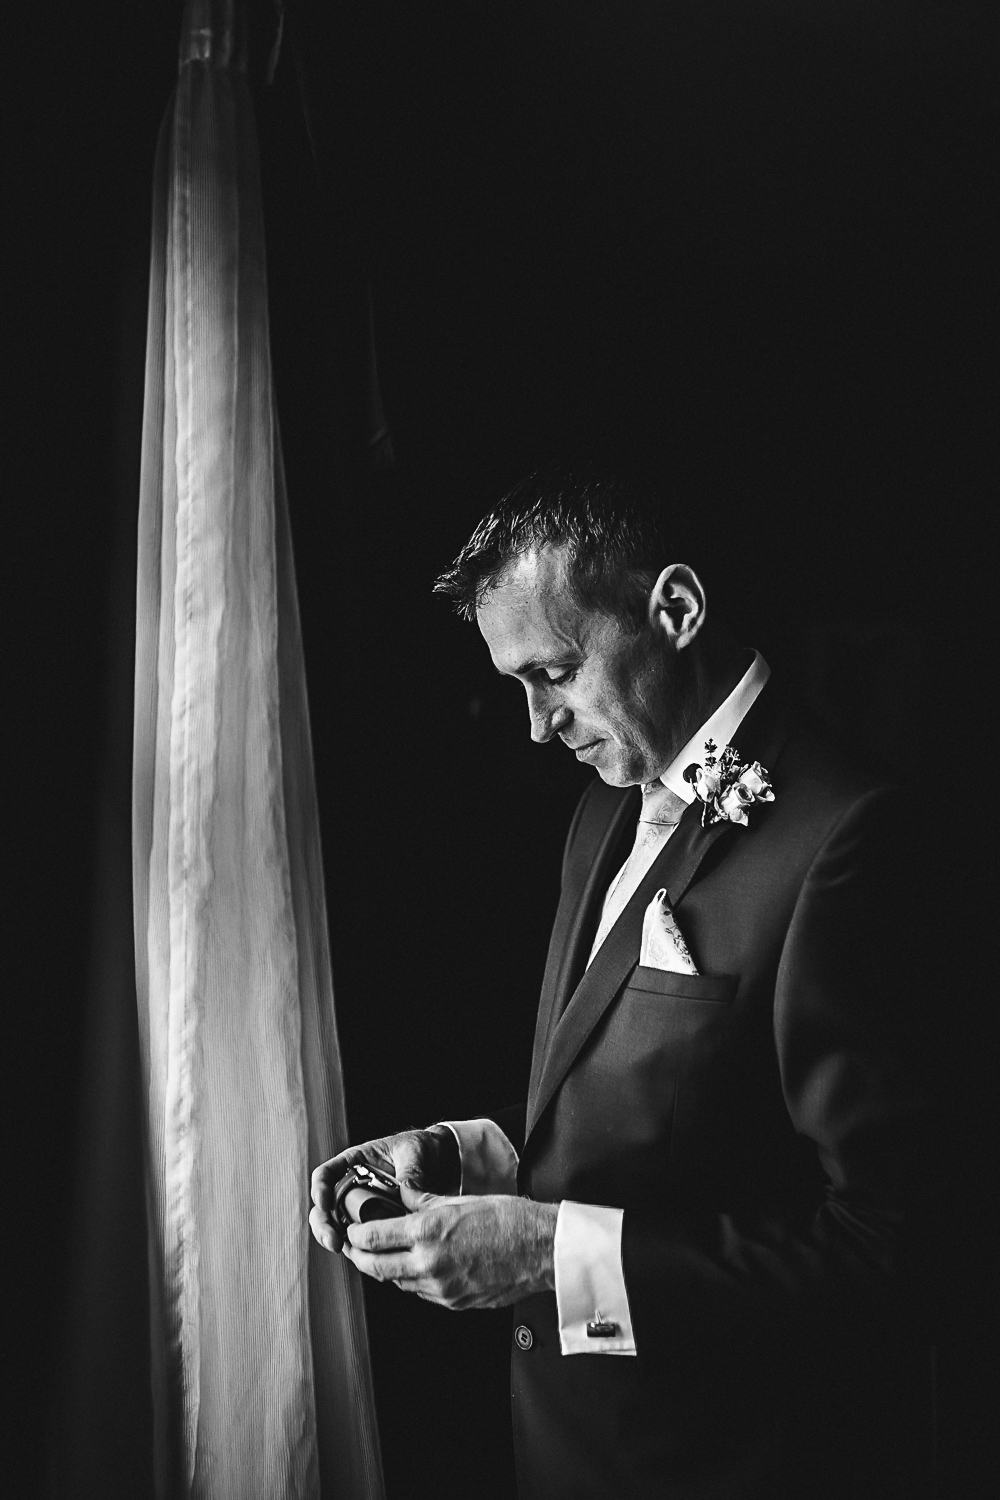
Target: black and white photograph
500, 901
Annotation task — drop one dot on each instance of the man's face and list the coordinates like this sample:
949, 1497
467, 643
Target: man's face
621, 701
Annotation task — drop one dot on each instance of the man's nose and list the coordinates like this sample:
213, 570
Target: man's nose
546, 718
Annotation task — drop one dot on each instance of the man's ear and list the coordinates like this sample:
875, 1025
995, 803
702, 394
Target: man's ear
677, 604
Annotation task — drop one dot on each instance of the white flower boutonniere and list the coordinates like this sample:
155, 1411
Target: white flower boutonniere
726, 789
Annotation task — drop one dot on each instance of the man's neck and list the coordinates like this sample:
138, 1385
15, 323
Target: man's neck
713, 682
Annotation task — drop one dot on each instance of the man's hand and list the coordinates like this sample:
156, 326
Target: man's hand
425, 1160
460, 1252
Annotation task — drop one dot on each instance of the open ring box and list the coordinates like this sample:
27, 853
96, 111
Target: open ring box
365, 1193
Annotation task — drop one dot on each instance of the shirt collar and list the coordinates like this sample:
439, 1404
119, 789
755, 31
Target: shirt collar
720, 727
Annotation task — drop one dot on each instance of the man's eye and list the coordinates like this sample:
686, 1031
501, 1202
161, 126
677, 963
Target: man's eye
559, 677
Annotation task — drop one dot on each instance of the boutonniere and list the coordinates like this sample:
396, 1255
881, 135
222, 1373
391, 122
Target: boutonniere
725, 788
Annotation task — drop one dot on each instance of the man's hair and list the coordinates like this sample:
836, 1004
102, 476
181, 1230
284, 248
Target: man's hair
619, 529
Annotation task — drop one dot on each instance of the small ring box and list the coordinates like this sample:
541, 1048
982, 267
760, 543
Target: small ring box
365, 1193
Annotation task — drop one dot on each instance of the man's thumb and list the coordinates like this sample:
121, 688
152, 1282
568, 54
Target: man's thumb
413, 1199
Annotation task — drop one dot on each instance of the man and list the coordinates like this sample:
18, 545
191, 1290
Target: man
708, 1213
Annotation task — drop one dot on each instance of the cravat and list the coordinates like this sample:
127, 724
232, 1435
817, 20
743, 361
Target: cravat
659, 815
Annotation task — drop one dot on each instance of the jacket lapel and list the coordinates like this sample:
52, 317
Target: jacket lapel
674, 868
570, 1015
596, 853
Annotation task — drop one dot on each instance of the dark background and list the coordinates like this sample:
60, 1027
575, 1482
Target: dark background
754, 242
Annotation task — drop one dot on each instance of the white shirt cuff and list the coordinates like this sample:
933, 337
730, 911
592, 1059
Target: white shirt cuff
489, 1161
590, 1284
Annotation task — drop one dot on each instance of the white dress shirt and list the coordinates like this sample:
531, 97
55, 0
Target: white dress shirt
590, 1284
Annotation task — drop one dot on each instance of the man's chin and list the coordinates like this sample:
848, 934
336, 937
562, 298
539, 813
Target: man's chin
614, 775
616, 770
610, 764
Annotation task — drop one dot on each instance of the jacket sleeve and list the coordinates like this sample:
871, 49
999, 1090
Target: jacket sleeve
852, 1045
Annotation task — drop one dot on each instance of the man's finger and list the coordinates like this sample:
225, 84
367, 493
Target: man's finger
326, 1176
380, 1236
396, 1267
323, 1231
414, 1199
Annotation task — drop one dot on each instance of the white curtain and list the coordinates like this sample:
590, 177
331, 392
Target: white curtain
261, 1377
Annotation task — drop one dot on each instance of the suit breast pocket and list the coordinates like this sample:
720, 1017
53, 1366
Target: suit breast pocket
717, 989
666, 1038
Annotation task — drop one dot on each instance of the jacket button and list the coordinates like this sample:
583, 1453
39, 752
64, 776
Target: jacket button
523, 1337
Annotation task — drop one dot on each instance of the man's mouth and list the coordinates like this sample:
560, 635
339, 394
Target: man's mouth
583, 749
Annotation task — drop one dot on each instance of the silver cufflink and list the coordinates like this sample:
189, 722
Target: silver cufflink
599, 1329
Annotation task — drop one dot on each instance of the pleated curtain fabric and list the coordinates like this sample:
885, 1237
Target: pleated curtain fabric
261, 1375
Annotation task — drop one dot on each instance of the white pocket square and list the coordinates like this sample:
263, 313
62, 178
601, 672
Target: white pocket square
663, 947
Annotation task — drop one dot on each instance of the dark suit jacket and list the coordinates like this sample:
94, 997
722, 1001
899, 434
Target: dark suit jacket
765, 1126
